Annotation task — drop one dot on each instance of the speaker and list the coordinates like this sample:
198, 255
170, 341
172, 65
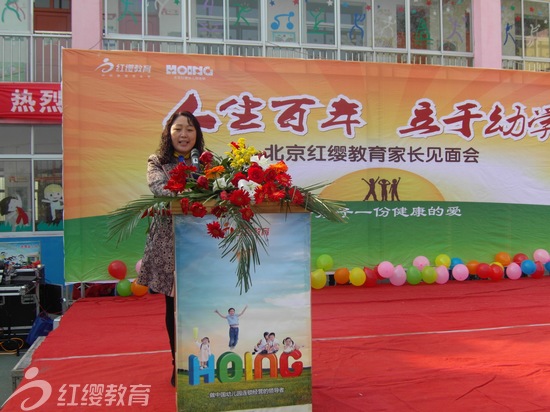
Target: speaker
17, 311
51, 298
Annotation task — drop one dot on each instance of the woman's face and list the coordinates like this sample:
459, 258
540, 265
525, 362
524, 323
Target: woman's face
184, 135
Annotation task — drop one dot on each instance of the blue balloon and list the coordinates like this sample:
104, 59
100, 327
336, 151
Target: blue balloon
528, 267
547, 266
455, 261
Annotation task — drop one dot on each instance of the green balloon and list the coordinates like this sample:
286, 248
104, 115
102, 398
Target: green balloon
324, 262
429, 275
124, 288
414, 277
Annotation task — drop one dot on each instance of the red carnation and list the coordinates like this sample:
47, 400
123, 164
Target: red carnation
239, 198
206, 158
218, 211
238, 176
215, 230
246, 213
184, 203
198, 209
175, 186
256, 174
202, 182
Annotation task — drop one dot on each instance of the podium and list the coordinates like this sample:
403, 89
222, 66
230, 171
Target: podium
228, 375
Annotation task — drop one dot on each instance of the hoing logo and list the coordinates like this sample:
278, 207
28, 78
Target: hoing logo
185, 70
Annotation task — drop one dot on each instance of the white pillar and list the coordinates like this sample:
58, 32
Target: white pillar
487, 33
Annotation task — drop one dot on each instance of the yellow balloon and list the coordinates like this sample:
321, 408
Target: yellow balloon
499, 264
318, 279
357, 276
443, 260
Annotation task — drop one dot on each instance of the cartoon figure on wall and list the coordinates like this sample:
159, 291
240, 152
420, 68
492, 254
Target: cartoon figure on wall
53, 194
12, 209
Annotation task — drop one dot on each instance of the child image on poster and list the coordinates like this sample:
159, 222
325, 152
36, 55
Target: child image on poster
289, 345
204, 351
272, 345
233, 320
262, 343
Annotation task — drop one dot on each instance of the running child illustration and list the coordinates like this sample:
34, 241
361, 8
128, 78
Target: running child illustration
233, 321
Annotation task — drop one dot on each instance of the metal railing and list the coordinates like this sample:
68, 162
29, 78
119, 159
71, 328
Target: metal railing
32, 58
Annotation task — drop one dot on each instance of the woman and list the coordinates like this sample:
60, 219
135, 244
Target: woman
181, 134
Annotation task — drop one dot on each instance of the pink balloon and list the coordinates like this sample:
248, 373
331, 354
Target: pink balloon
513, 271
442, 274
385, 269
420, 262
460, 272
541, 255
399, 276
138, 267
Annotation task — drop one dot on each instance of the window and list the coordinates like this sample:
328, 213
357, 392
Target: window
356, 23
16, 16
283, 22
209, 22
319, 18
31, 193
244, 22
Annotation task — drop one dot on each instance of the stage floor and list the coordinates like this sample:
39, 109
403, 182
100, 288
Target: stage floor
473, 345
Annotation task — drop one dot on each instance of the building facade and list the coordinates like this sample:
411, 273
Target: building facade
499, 34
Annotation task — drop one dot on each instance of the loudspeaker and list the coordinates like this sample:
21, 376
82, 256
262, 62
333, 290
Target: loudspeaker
17, 311
51, 299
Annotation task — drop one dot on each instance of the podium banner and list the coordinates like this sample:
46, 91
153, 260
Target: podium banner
222, 367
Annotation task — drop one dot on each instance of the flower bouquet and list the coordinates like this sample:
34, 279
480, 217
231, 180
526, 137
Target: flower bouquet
231, 188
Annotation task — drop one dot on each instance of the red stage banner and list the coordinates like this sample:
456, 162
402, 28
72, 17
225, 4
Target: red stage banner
30, 102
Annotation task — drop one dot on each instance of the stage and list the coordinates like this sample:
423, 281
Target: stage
474, 345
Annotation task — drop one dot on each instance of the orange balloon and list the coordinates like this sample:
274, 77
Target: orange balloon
341, 276
503, 258
472, 267
137, 289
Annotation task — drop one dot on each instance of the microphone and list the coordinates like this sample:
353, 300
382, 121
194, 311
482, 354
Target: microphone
195, 158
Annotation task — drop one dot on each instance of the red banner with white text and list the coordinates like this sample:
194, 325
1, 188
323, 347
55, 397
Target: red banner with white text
30, 103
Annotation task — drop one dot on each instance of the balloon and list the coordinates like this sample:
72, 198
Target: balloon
429, 275
455, 261
137, 289
378, 276
117, 269
371, 277
442, 274
520, 257
541, 255
528, 267
357, 276
503, 258
318, 279
124, 288
324, 262
513, 271
138, 267
385, 269
443, 259
414, 276
341, 276
420, 261
539, 271
460, 272
484, 271
399, 276
472, 266
547, 266
497, 272
498, 264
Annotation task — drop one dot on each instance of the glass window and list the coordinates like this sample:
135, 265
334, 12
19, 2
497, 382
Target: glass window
47, 139
15, 196
48, 195
319, 17
425, 29
535, 29
355, 23
244, 21
209, 19
16, 139
385, 23
16, 16
283, 23
456, 26
511, 28
168, 18
124, 16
